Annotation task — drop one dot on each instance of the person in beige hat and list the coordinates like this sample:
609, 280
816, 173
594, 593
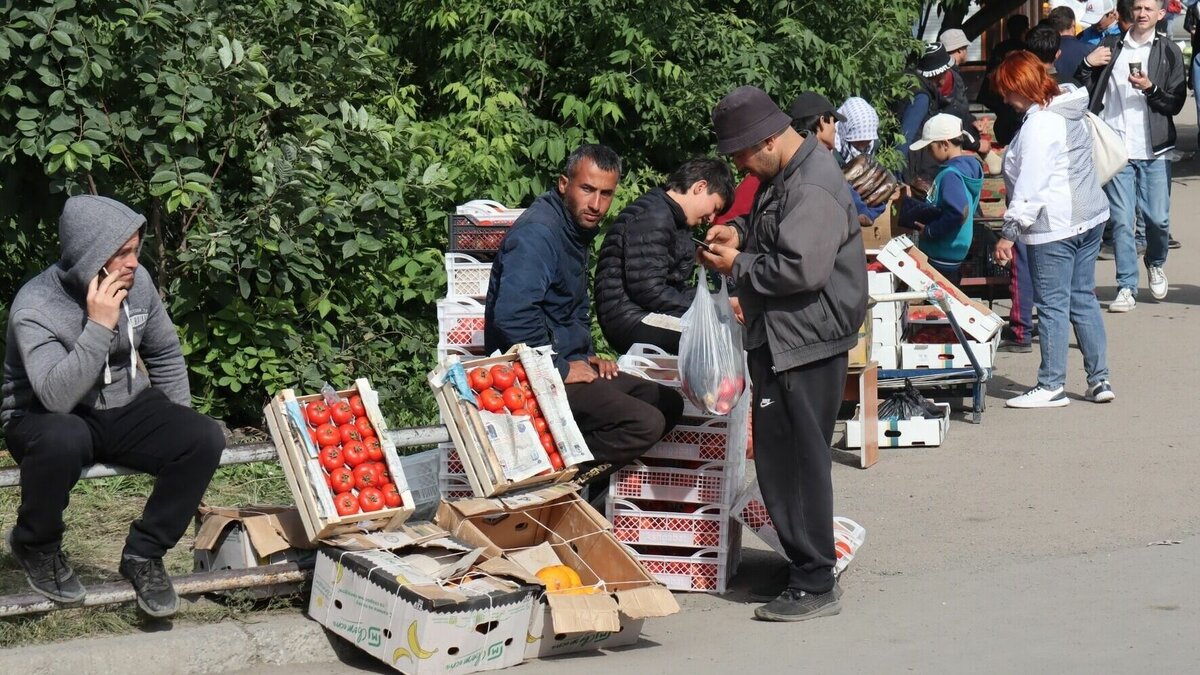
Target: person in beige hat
955, 41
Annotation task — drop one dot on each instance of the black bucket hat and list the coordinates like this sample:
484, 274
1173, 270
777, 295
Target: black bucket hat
746, 116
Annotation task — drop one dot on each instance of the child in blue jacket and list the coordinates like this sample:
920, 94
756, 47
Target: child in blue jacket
945, 219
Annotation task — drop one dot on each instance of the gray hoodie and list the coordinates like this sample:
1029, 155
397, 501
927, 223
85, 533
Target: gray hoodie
57, 359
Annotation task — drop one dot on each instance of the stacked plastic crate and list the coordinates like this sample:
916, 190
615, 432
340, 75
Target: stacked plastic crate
673, 507
475, 231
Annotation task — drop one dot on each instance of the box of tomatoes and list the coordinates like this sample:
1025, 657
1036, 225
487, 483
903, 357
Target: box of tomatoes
509, 419
342, 468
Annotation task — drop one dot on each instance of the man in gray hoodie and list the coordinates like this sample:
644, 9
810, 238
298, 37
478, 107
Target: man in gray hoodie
73, 395
801, 273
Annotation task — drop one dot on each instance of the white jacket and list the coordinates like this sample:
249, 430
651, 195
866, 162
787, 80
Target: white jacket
1053, 191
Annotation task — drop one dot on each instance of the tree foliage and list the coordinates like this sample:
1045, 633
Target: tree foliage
296, 159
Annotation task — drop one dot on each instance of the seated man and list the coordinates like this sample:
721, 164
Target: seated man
538, 295
73, 395
647, 266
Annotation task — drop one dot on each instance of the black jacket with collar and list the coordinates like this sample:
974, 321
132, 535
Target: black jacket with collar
802, 274
647, 264
1165, 68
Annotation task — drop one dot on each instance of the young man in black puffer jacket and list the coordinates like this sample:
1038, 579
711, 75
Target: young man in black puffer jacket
645, 274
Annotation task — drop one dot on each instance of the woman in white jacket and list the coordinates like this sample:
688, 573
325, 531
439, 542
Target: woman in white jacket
1056, 207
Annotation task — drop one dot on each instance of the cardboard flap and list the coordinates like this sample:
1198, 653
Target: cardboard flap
646, 601
500, 567
392, 540
265, 537
581, 613
211, 527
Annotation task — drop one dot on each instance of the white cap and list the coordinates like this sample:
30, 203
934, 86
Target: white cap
940, 127
1078, 7
1095, 10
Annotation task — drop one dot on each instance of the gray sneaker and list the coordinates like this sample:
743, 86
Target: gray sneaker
1124, 301
797, 605
48, 573
1101, 392
155, 594
1158, 282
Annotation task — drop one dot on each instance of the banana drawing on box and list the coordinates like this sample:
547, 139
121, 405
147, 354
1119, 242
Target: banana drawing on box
400, 651
337, 575
530, 638
415, 646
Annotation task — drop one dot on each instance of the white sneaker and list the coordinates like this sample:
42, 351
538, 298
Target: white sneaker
1158, 282
1101, 392
1124, 301
1039, 397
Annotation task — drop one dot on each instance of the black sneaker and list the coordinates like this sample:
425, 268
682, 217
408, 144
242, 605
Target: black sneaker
797, 605
774, 583
48, 573
1106, 252
1171, 243
155, 594
1014, 347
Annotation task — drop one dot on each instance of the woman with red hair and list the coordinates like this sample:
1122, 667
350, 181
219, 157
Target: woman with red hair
1057, 209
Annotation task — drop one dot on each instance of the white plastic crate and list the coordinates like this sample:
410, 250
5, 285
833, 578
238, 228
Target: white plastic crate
452, 488
705, 570
460, 323
705, 527
449, 463
704, 485
466, 277
421, 472
706, 442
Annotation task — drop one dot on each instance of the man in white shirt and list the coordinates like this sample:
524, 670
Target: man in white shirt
1138, 84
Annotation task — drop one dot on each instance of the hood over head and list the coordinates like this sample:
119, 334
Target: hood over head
90, 230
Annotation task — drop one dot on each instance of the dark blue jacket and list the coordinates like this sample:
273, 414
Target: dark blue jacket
538, 292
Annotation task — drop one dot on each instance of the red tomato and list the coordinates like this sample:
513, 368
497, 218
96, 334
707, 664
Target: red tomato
370, 499
539, 423
374, 449
340, 413
331, 458
327, 434
354, 453
382, 470
503, 376
514, 399
317, 413
531, 407
547, 442
366, 475
391, 496
349, 432
312, 433
519, 371
491, 400
341, 480
364, 427
555, 460
346, 504
356, 406
480, 379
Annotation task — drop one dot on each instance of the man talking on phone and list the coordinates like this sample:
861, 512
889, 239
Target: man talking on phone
646, 271
74, 395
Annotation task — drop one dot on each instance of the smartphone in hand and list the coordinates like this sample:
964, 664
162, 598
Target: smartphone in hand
701, 243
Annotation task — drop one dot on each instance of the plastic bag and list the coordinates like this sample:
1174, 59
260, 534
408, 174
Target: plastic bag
712, 366
908, 404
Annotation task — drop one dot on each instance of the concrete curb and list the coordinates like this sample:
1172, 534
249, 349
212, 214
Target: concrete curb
213, 648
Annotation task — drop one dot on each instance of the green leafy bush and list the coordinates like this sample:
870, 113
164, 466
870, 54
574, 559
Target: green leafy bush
296, 160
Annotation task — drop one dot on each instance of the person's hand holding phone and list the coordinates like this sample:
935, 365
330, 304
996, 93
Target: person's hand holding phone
104, 298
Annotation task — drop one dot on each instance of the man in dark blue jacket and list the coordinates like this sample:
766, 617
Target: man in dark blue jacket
538, 295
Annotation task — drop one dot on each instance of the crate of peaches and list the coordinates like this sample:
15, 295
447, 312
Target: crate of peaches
342, 468
509, 419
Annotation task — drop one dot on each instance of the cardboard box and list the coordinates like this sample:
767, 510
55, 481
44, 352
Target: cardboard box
492, 446
860, 355
885, 227
306, 478
910, 433
556, 522
252, 536
912, 267
887, 356
921, 356
879, 283
431, 606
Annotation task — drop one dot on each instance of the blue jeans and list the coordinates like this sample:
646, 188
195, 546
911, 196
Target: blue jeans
1064, 282
1143, 185
1196, 82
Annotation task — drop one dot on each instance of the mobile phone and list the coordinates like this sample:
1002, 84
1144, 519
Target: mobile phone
103, 271
701, 243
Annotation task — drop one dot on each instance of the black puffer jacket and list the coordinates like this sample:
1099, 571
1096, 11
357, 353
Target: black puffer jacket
647, 264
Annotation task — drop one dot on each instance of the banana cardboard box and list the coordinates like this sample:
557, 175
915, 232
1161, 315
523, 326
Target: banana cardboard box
434, 606
603, 598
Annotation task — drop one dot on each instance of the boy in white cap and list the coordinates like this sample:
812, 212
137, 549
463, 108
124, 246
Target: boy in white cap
945, 218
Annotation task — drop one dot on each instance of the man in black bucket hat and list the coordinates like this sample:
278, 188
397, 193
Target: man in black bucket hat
798, 262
